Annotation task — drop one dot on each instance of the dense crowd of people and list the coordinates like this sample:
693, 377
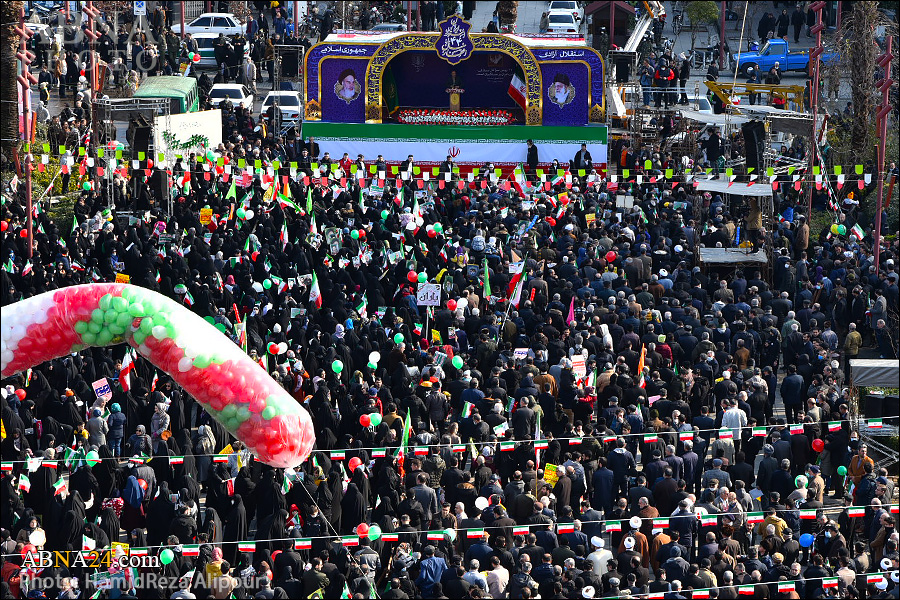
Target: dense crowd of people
589, 412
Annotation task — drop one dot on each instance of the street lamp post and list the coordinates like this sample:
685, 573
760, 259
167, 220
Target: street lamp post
884, 110
26, 79
815, 62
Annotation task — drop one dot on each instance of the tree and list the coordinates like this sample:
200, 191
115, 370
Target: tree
703, 12
9, 92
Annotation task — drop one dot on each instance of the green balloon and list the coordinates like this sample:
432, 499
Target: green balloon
398, 338
147, 325
104, 337
97, 315
124, 319
842, 229
115, 329
374, 532
81, 327
372, 366
241, 213
375, 418
269, 412
166, 556
243, 413
267, 283
94, 327
842, 470
221, 327
136, 309
423, 277
457, 362
210, 320
229, 410
106, 302
139, 337
92, 458
110, 316
120, 304
89, 338
438, 227
337, 366
201, 362
354, 234
385, 214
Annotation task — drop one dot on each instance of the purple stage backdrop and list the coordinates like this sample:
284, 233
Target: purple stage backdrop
564, 93
349, 108
422, 79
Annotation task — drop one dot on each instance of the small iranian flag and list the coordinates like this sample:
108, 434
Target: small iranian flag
873, 578
608, 438
220, 458
285, 486
700, 593
379, 452
246, 546
6, 467
834, 426
315, 294
390, 537
125, 372
467, 410
303, 544
895, 509
191, 550
755, 517
229, 486
138, 551
541, 444
507, 446
786, 586
350, 540
59, 486
421, 451
759, 432
575, 441
656, 595
726, 434
24, 483
523, 530
565, 528
459, 448
338, 454
708, 520
686, 435
856, 511
745, 590
808, 514
857, 232
176, 460
436, 535
649, 438
613, 526
50, 464
796, 429
830, 582
475, 534
661, 523
875, 423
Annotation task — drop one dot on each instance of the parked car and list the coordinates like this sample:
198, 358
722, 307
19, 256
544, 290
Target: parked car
562, 21
205, 43
236, 92
216, 23
777, 50
567, 6
288, 103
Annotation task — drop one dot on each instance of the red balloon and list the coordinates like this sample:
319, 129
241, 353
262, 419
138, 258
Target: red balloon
220, 169
362, 233
254, 256
818, 445
20, 393
365, 420
451, 304
362, 529
23, 233
552, 221
354, 462
28, 548
149, 163
226, 160
412, 276
610, 256
432, 233
4, 225
143, 484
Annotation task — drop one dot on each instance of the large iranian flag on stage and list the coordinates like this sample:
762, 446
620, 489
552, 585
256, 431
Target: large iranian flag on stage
467, 145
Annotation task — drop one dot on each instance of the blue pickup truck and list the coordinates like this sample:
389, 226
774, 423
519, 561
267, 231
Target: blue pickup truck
776, 50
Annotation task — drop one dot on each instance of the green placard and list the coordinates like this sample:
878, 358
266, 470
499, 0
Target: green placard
372, 169
581, 172
625, 173
293, 165
859, 169
669, 173
435, 170
80, 150
242, 163
838, 170
257, 164
394, 169
101, 152
648, 164
46, 148
118, 155
417, 170
817, 170
770, 172
142, 156
62, 149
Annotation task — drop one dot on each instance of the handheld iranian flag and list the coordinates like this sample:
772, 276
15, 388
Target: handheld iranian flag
24, 483
857, 232
315, 294
641, 382
125, 372
487, 280
59, 486
404, 441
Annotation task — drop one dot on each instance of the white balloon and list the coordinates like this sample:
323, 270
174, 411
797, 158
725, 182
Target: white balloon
481, 503
257, 287
185, 364
420, 221
250, 215
191, 352
374, 357
411, 226
282, 348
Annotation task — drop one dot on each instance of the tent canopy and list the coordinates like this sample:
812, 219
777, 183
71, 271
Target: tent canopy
873, 372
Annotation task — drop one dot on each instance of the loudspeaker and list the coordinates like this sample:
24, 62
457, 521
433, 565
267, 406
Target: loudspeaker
754, 143
875, 406
138, 134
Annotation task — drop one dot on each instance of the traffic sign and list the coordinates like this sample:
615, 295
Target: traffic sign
140, 8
